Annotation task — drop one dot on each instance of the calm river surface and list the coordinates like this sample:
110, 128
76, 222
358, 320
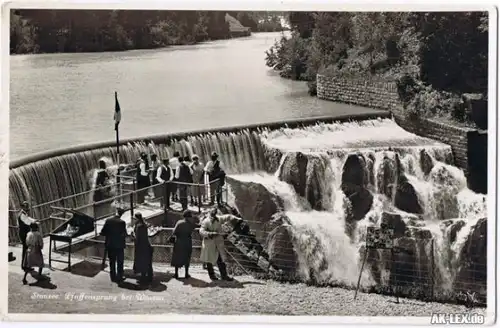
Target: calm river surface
61, 100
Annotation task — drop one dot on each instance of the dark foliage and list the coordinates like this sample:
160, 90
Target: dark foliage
48, 31
434, 57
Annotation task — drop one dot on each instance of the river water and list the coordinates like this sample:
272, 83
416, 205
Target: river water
61, 100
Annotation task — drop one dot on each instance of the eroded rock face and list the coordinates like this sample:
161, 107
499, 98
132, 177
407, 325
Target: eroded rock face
273, 157
294, 172
387, 177
308, 176
355, 181
318, 189
426, 162
471, 275
281, 251
406, 198
255, 204
279, 244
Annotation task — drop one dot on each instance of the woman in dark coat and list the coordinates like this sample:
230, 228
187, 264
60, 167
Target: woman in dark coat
143, 251
183, 243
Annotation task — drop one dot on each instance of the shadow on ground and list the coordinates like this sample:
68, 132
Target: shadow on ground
197, 283
85, 268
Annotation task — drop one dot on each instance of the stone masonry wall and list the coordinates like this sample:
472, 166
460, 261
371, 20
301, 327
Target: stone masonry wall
464, 142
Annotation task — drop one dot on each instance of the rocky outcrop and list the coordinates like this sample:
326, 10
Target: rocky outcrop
307, 174
256, 205
355, 181
294, 172
471, 275
426, 162
279, 244
273, 158
318, 188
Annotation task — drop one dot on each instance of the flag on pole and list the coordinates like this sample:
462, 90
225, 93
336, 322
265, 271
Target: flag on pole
118, 113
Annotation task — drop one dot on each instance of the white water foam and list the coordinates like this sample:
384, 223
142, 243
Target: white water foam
323, 247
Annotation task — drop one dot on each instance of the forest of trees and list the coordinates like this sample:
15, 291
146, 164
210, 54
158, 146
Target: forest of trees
48, 31
434, 57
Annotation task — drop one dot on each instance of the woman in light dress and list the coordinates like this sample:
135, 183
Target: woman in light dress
34, 256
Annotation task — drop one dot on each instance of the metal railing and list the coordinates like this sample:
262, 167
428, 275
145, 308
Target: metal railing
128, 200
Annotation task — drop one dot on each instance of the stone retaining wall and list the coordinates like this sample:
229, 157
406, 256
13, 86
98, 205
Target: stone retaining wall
469, 145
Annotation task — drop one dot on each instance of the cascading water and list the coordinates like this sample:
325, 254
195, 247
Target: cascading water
333, 181
337, 179
57, 177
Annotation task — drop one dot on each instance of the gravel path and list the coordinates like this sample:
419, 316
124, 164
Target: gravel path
200, 296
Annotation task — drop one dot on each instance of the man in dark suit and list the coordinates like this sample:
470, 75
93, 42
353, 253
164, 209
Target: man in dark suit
115, 231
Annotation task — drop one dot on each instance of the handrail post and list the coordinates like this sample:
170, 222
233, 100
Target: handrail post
198, 190
95, 220
131, 205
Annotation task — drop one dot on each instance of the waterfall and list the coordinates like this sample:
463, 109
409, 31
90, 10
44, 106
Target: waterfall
367, 173
61, 176
332, 181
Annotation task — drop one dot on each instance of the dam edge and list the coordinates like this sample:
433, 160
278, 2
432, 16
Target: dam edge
163, 138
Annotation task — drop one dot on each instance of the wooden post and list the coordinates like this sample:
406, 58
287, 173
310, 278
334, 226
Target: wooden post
361, 272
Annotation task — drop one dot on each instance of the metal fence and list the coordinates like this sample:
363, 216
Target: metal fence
51, 214
415, 272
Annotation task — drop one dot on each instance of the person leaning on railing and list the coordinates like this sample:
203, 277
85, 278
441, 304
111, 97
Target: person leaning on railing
212, 247
216, 176
164, 174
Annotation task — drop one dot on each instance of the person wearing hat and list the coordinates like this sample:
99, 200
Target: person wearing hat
115, 232
175, 162
23, 223
216, 178
197, 190
183, 243
212, 246
185, 177
153, 170
142, 178
164, 175
143, 251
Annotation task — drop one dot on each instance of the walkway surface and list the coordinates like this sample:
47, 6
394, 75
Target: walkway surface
88, 289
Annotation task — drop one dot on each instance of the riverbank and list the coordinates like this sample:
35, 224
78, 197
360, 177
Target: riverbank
88, 290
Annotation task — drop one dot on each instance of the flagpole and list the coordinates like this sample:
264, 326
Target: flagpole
117, 131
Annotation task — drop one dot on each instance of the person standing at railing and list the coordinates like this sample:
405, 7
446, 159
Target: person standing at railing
115, 232
212, 247
34, 256
216, 178
183, 243
174, 165
142, 178
101, 181
197, 191
23, 223
184, 176
155, 164
164, 175
143, 251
